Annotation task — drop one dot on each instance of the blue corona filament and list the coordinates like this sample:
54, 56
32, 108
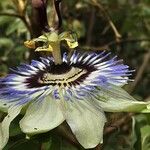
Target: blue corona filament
76, 78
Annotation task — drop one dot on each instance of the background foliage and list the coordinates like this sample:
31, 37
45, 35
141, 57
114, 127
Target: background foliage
119, 26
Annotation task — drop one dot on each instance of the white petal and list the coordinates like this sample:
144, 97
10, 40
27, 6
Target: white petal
41, 117
115, 105
4, 126
86, 122
115, 99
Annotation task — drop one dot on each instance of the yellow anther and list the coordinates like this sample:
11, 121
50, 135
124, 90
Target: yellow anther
30, 44
50, 48
72, 44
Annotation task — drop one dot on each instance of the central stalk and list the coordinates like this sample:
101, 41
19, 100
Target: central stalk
56, 52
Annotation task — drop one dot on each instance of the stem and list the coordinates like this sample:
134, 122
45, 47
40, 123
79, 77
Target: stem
23, 18
108, 19
114, 43
140, 71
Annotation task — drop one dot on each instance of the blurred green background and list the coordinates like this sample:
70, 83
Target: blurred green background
119, 26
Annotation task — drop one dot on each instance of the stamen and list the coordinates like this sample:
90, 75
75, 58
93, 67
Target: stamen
63, 79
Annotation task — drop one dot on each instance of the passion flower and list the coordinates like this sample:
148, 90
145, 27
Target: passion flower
79, 90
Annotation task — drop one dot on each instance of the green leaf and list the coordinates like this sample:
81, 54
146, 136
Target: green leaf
145, 137
140, 130
16, 26
6, 42
23, 144
15, 128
